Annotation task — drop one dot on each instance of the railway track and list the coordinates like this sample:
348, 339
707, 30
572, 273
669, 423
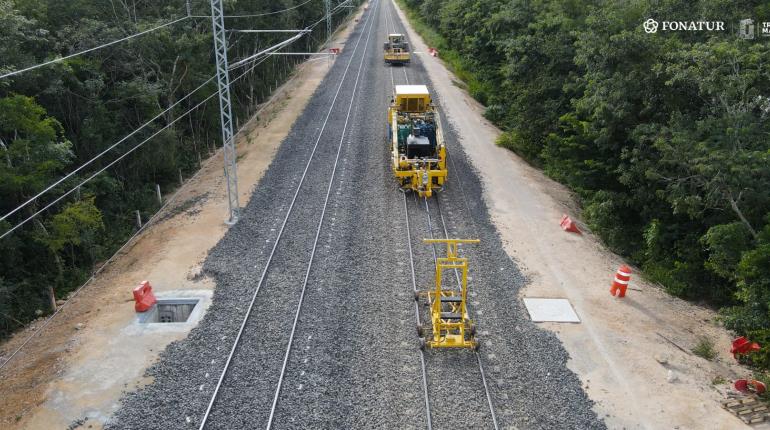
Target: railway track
313, 323
265, 278
394, 25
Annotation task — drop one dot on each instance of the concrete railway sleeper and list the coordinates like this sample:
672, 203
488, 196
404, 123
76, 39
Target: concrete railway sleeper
367, 28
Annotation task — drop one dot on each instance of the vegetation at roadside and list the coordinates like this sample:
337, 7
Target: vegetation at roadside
55, 118
665, 137
705, 349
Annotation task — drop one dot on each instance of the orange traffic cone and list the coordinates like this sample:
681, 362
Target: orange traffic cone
620, 283
568, 225
144, 299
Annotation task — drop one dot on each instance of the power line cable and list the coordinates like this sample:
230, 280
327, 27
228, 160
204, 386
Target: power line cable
238, 64
330, 12
288, 41
258, 14
109, 148
235, 65
112, 163
60, 59
171, 199
140, 230
275, 47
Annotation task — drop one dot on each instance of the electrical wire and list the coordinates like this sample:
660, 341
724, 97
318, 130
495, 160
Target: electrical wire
69, 175
112, 163
280, 45
334, 10
269, 13
60, 59
140, 230
109, 148
171, 199
235, 65
257, 14
232, 66
275, 47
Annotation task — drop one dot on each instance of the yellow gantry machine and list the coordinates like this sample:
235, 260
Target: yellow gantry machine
451, 326
396, 49
417, 143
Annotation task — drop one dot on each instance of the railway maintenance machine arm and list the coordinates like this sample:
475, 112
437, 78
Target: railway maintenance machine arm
451, 326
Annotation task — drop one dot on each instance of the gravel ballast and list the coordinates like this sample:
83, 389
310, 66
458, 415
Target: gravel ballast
355, 360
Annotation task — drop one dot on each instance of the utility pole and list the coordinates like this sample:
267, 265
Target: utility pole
225, 110
327, 5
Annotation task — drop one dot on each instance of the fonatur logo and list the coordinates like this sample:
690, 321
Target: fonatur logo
652, 26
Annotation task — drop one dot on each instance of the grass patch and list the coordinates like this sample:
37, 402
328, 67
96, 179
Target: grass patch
718, 380
705, 349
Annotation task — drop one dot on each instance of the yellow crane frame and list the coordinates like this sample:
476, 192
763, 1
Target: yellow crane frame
452, 327
394, 55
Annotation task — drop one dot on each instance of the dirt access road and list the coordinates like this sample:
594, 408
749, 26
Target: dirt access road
618, 349
73, 373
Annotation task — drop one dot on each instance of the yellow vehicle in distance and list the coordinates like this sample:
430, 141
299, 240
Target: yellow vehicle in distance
396, 49
417, 143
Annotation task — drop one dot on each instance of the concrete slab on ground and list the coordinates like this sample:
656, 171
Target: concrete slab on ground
550, 310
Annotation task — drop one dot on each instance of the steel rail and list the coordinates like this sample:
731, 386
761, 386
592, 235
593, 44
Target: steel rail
417, 314
277, 240
457, 276
459, 284
388, 15
279, 385
423, 369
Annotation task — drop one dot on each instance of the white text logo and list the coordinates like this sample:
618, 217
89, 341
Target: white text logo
651, 26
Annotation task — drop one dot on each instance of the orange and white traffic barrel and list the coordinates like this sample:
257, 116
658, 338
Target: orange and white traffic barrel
620, 283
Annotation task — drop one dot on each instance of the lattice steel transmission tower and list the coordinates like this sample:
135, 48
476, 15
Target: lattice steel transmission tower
225, 109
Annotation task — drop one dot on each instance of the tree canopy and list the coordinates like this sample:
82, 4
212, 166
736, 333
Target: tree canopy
665, 137
54, 119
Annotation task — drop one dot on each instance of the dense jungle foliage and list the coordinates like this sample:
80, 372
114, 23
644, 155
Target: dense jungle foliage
665, 137
55, 118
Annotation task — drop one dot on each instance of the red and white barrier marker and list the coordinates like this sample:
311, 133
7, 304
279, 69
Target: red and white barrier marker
620, 283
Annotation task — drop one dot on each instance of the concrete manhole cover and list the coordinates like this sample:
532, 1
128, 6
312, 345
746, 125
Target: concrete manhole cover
550, 310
